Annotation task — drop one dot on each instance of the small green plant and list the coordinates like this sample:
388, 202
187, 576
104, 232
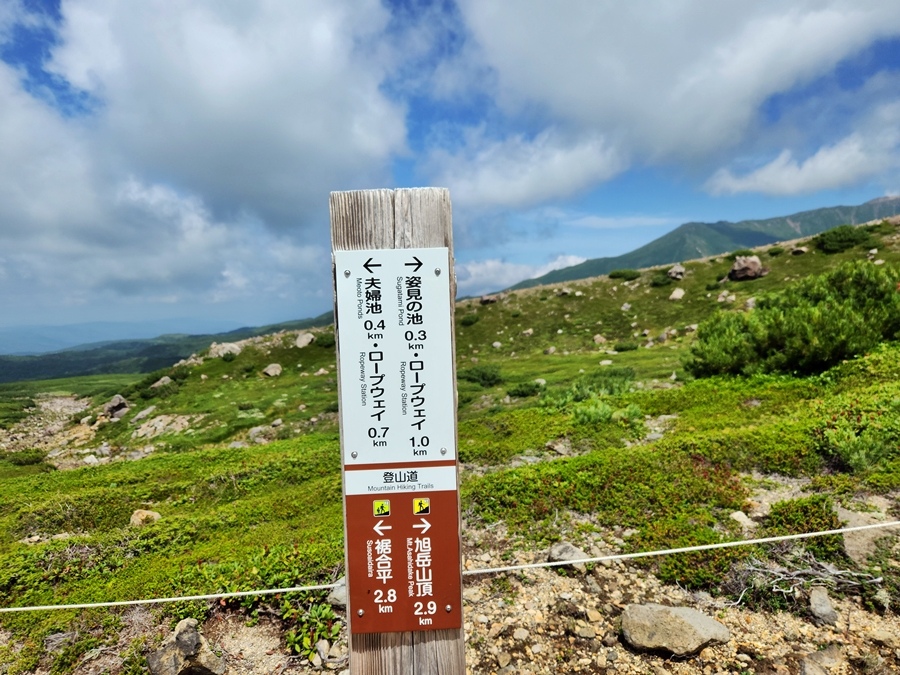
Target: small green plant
308, 626
809, 514
625, 275
592, 412
740, 253
325, 340
26, 457
775, 251
486, 376
228, 357
469, 320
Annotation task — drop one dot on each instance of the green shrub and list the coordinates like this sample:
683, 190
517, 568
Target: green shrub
843, 238
625, 275
775, 251
324, 340
486, 376
525, 389
660, 279
741, 252
713, 286
806, 328
592, 412
228, 357
25, 457
808, 514
626, 346
469, 320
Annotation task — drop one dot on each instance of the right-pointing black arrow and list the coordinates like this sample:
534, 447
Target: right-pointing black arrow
417, 264
368, 265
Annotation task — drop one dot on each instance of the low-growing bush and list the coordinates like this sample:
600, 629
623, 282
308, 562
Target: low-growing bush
660, 279
775, 251
525, 389
592, 412
626, 346
469, 320
740, 253
26, 457
809, 514
843, 238
486, 376
324, 340
625, 275
805, 328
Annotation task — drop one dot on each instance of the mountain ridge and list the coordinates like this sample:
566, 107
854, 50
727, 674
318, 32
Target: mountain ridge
696, 239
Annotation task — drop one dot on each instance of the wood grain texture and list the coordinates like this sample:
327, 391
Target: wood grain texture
380, 219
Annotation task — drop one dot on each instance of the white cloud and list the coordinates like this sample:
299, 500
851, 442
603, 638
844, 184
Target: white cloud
486, 276
518, 171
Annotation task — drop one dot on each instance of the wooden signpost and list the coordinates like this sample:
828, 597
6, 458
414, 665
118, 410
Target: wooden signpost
394, 291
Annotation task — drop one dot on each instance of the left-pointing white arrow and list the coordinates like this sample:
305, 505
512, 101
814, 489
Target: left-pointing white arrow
380, 527
425, 526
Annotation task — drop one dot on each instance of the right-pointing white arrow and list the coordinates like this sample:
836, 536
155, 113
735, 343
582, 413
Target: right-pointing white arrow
380, 527
425, 526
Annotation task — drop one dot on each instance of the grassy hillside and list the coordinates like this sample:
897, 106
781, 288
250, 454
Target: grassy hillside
699, 240
131, 356
570, 426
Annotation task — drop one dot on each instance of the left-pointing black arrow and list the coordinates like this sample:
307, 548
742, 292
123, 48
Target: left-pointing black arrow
368, 265
417, 264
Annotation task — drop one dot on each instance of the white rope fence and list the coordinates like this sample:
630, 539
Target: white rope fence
488, 570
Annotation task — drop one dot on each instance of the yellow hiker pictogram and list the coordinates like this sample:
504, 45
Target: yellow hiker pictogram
381, 507
421, 506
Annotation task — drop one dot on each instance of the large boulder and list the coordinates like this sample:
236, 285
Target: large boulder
676, 272
746, 268
677, 294
185, 652
117, 407
304, 340
272, 370
678, 630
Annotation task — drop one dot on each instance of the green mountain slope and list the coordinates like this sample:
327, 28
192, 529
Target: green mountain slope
132, 356
698, 240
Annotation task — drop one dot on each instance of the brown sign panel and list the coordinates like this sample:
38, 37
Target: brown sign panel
403, 561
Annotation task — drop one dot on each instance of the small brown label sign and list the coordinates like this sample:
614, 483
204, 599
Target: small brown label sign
403, 554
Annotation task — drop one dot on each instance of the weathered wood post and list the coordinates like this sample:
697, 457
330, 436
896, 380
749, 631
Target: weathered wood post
394, 291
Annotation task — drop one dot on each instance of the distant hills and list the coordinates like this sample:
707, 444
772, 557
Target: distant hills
131, 356
698, 240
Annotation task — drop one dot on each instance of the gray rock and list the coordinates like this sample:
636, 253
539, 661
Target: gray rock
822, 662
799, 250
272, 370
677, 294
219, 350
144, 517
520, 634
496, 345
338, 595
146, 412
626, 306
563, 551
746, 268
304, 340
679, 630
185, 652
528, 332
550, 350
676, 272
820, 607
117, 407
744, 521
487, 299
161, 382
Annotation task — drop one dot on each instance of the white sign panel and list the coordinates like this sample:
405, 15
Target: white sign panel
393, 318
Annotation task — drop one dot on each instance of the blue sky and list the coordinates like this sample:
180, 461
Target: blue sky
163, 159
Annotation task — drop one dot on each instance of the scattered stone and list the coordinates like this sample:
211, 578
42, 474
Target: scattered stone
219, 350
185, 652
272, 370
146, 412
563, 292
496, 345
528, 332
563, 551
541, 381
822, 661
725, 296
91, 460
520, 634
550, 350
679, 630
626, 307
606, 362
488, 299
691, 328
599, 339
561, 446
338, 595
143, 517
321, 371
277, 423
799, 250
304, 340
677, 294
161, 382
750, 303
742, 519
676, 272
820, 607
117, 407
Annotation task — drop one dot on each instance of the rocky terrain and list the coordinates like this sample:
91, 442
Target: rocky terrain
551, 620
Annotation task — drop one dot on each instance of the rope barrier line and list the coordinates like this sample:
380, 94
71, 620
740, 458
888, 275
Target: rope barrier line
488, 570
